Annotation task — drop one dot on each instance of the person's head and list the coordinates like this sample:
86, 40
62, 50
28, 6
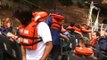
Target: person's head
72, 23
24, 16
8, 22
84, 25
95, 34
77, 25
85, 41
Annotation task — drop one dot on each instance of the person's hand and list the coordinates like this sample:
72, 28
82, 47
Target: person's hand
64, 37
10, 35
24, 58
42, 59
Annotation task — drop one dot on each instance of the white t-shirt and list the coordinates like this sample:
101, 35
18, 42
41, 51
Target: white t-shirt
44, 32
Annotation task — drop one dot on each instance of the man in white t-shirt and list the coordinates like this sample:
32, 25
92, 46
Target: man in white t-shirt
44, 47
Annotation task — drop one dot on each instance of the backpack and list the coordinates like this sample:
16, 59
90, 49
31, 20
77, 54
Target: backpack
9, 50
102, 44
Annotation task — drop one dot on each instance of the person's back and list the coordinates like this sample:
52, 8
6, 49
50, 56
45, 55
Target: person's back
55, 21
102, 46
37, 54
36, 36
54, 32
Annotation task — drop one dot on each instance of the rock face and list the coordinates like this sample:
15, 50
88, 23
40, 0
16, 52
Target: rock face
8, 14
104, 2
75, 14
5, 13
72, 13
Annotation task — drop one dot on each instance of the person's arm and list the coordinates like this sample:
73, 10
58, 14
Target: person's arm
23, 53
79, 33
86, 30
47, 39
64, 37
47, 50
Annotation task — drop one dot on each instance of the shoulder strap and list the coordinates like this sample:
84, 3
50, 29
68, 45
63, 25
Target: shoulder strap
32, 43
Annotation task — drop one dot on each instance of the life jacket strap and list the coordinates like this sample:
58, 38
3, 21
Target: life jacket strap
32, 38
31, 43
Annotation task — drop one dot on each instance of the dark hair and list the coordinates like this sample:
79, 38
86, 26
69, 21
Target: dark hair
72, 23
83, 24
23, 15
97, 33
77, 25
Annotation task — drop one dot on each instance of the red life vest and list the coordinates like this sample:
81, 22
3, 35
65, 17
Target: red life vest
63, 30
29, 35
69, 28
83, 29
93, 41
41, 16
57, 21
84, 51
76, 28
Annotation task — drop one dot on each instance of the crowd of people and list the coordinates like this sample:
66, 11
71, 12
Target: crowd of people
41, 36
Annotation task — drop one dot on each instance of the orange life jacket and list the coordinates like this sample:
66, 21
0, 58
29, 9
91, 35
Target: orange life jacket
83, 29
57, 21
29, 35
41, 16
69, 28
63, 30
83, 51
76, 28
93, 42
